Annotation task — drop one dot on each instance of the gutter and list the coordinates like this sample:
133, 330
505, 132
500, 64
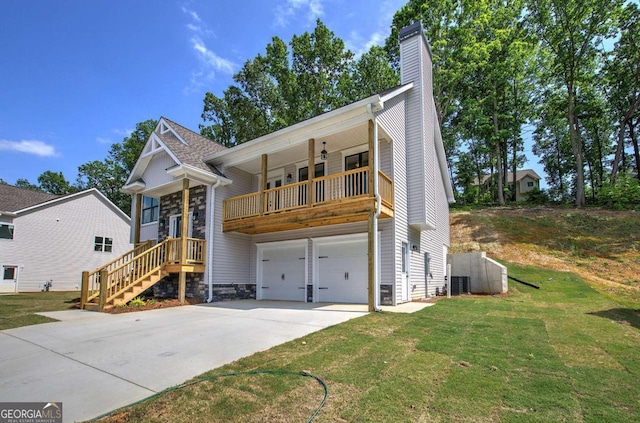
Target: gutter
376, 236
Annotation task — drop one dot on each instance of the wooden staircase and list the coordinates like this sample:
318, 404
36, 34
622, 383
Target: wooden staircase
123, 279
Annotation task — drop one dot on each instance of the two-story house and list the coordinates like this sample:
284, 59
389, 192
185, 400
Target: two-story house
49, 239
350, 206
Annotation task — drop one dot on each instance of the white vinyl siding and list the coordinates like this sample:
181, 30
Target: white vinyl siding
231, 251
156, 173
392, 119
149, 231
57, 242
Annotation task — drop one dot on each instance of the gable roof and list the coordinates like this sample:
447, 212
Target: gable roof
186, 148
15, 201
189, 147
520, 174
14, 198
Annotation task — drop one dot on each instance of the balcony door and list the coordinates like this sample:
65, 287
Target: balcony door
356, 184
303, 175
273, 197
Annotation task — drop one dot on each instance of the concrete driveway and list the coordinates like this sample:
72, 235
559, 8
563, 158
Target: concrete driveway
94, 362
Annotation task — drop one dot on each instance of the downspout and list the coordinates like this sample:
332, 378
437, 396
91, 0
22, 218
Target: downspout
210, 223
376, 235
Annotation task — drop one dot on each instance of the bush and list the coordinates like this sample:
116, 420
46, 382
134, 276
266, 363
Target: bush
537, 196
624, 195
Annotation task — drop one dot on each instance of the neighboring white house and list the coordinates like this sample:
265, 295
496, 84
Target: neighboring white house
370, 224
46, 237
526, 180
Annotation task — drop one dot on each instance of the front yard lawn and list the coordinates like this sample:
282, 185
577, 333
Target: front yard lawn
561, 353
19, 310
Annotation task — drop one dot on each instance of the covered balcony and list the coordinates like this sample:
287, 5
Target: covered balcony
345, 195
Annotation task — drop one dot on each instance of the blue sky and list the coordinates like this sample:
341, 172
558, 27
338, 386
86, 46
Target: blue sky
77, 75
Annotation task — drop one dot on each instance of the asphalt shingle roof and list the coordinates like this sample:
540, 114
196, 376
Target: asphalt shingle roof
193, 154
15, 198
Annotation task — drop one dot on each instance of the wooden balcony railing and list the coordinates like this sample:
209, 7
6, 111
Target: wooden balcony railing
334, 188
385, 189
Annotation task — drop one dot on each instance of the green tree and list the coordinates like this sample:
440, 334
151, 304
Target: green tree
110, 174
372, 73
24, 183
290, 83
54, 183
552, 145
622, 76
572, 33
445, 23
481, 58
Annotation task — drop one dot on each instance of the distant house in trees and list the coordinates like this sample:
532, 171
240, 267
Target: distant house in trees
526, 180
45, 237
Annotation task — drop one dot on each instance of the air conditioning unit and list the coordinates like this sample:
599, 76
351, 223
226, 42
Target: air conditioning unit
460, 285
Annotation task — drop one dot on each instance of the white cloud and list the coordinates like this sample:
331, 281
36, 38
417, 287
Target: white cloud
192, 13
101, 140
122, 132
312, 9
37, 148
359, 45
210, 58
210, 61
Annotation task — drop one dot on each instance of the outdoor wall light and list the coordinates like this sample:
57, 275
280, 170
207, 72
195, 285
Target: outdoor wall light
289, 178
323, 153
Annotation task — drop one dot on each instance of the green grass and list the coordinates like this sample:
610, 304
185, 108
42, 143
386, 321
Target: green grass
19, 310
561, 353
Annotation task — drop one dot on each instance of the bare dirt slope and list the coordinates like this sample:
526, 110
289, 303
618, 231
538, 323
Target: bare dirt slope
602, 246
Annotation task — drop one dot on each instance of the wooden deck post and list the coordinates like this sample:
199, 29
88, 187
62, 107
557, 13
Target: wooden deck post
371, 264
84, 290
182, 280
311, 173
372, 145
182, 287
263, 183
137, 218
185, 221
103, 289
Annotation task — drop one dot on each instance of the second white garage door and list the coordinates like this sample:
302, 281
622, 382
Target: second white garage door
283, 272
342, 271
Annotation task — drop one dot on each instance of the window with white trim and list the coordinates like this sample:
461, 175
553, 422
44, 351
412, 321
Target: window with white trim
9, 273
6, 231
530, 184
103, 244
150, 210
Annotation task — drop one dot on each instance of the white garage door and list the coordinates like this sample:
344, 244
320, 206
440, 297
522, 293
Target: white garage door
283, 270
342, 272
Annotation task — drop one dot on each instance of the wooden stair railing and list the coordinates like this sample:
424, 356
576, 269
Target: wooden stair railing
124, 278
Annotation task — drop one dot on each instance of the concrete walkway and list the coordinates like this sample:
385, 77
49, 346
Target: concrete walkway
94, 363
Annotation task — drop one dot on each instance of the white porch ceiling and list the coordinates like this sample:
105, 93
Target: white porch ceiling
348, 138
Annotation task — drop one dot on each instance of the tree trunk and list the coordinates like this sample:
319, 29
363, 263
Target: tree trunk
619, 153
559, 164
600, 159
576, 146
496, 135
636, 151
516, 132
